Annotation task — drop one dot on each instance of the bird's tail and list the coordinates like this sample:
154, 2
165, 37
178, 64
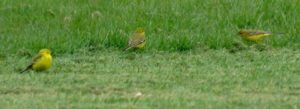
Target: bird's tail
24, 70
27, 68
280, 33
128, 48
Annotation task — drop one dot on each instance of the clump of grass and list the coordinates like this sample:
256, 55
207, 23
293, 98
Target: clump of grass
115, 39
68, 26
183, 43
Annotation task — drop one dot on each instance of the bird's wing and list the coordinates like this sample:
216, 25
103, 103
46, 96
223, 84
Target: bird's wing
137, 42
36, 58
257, 33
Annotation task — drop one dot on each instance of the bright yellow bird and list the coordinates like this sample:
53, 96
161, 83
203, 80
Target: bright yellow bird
253, 35
138, 39
41, 62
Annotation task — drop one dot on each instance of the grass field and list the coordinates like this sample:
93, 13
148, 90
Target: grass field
190, 60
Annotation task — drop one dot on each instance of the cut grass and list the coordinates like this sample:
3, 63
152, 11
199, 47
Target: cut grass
211, 70
110, 79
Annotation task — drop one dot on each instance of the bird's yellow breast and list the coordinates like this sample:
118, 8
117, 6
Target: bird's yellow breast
43, 63
255, 37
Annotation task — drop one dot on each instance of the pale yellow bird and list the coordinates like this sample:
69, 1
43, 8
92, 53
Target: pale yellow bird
253, 35
138, 39
41, 62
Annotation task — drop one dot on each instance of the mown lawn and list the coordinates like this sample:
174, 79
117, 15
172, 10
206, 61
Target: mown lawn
203, 79
193, 57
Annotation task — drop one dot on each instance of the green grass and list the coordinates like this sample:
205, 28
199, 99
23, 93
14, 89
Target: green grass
110, 79
66, 26
191, 59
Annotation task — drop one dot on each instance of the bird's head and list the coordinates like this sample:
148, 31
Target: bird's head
45, 51
140, 30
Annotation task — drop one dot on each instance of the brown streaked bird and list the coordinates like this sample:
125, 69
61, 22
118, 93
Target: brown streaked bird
138, 39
